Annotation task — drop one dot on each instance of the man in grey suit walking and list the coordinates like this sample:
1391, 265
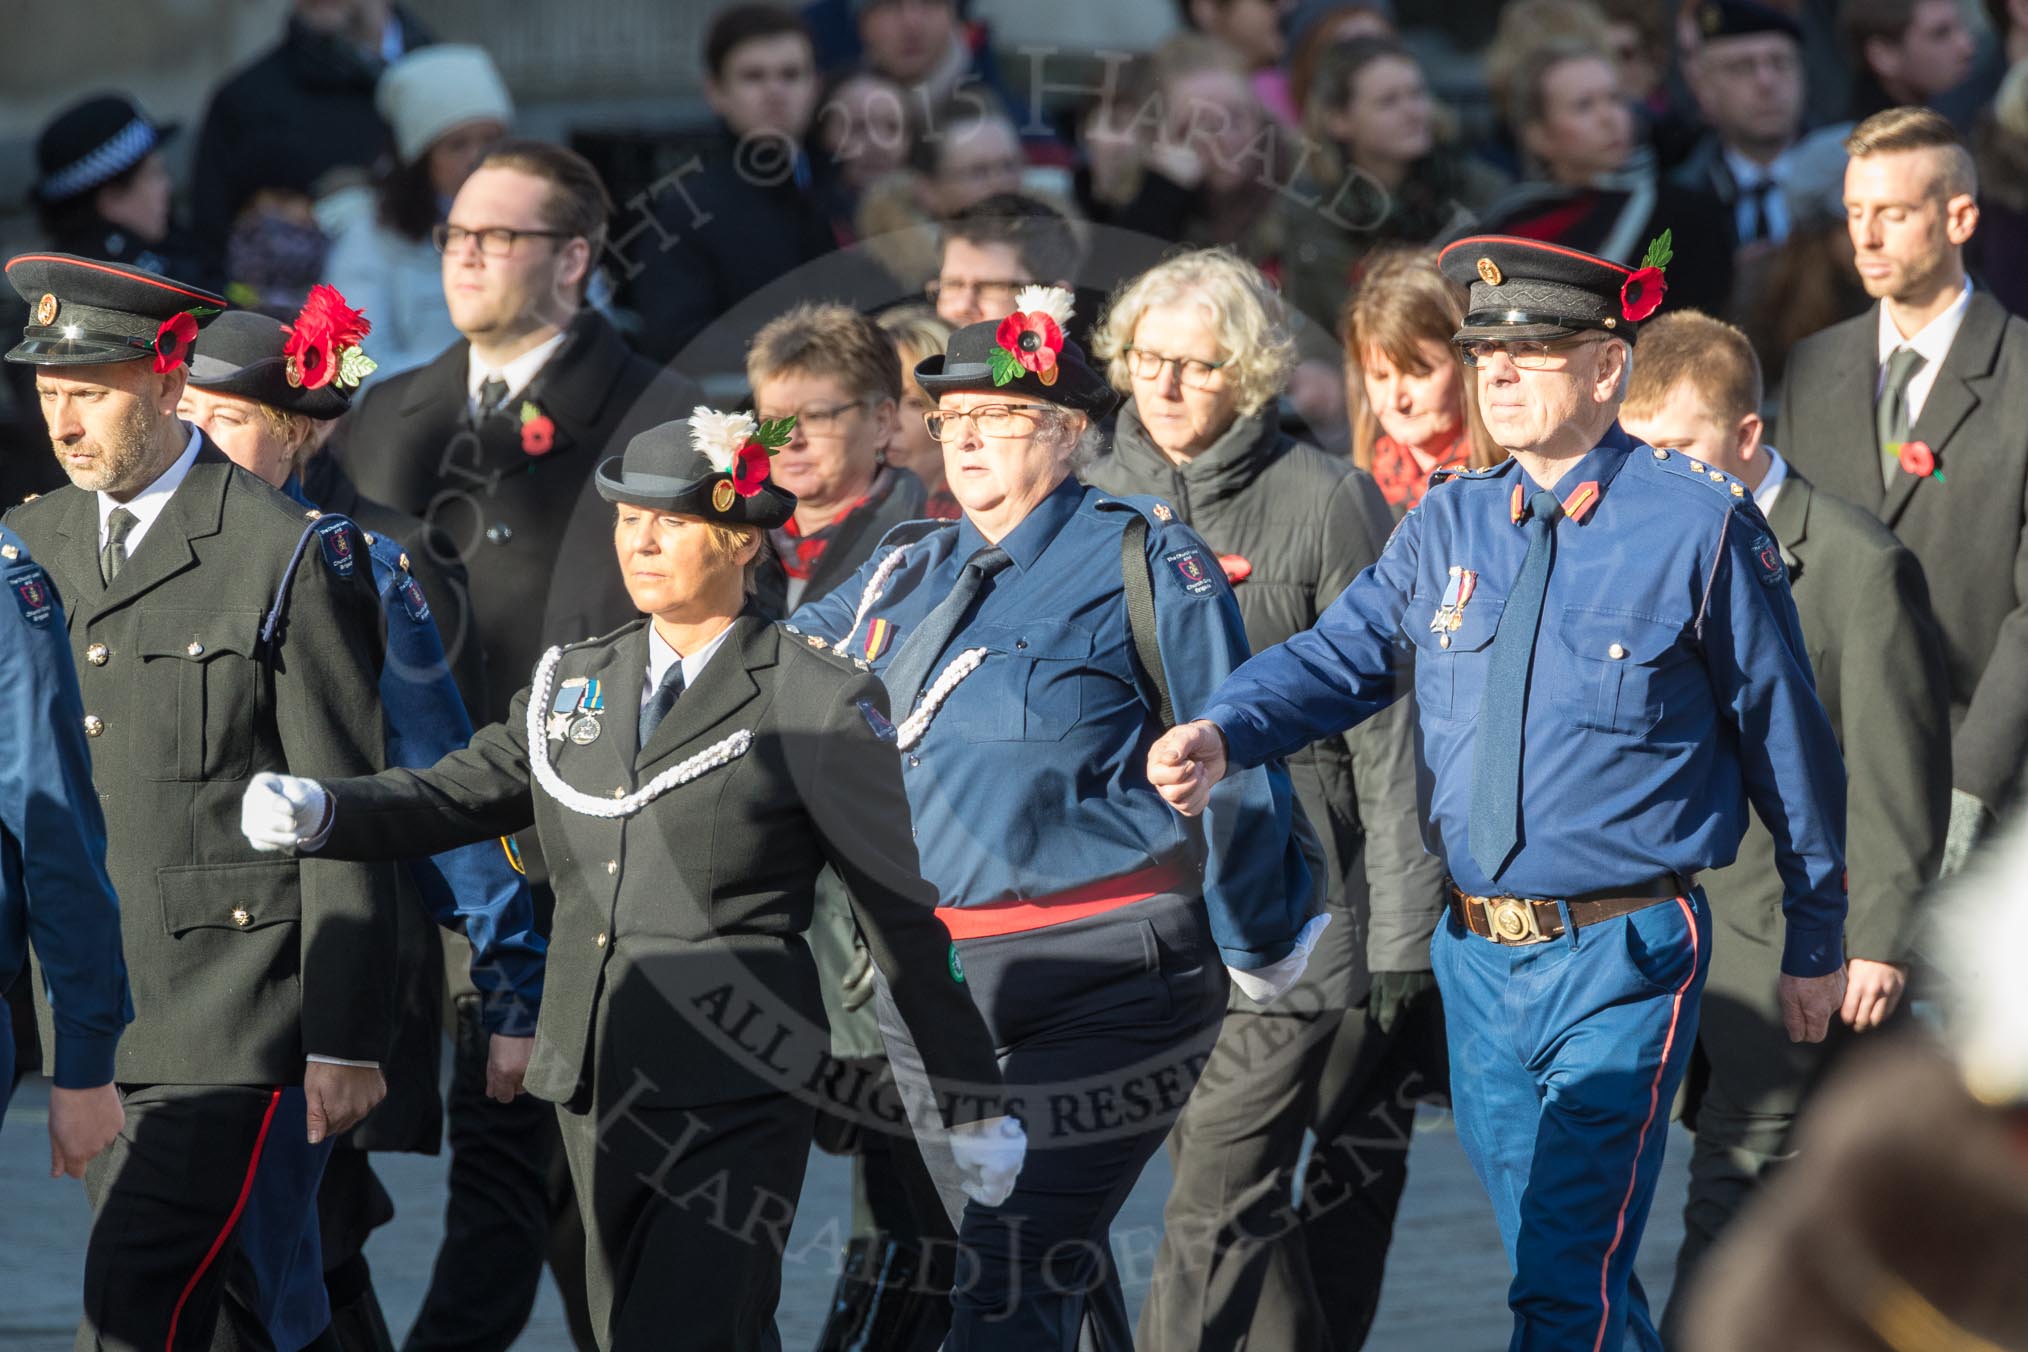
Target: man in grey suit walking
1908, 411
1879, 666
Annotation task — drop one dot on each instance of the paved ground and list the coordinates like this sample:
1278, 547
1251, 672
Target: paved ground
1446, 1280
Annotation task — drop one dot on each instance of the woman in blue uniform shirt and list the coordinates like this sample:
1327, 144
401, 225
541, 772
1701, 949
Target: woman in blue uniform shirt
1094, 935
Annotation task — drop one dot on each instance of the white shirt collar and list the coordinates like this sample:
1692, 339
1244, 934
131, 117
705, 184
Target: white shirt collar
1933, 340
516, 373
1745, 171
661, 657
147, 504
1771, 483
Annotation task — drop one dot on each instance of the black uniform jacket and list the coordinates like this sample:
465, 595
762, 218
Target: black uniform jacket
677, 970
1969, 529
241, 963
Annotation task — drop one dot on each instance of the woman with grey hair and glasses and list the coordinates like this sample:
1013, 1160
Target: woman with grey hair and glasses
1200, 346
1032, 652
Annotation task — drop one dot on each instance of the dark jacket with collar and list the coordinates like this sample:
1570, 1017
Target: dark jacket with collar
241, 963
670, 922
412, 444
1969, 531
1306, 524
300, 111
1879, 665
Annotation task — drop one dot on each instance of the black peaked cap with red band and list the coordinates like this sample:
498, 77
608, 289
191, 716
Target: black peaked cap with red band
82, 311
1524, 288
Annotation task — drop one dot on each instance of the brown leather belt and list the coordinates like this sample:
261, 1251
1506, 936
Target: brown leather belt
1519, 921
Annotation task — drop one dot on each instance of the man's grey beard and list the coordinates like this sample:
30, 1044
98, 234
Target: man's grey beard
127, 459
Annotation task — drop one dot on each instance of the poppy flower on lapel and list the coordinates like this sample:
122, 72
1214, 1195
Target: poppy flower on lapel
1915, 457
1642, 292
173, 340
1031, 338
538, 431
323, 343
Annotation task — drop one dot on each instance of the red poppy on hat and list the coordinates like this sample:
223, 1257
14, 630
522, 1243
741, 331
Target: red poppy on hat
323, 343
173, 340
1642, 292
1031, 338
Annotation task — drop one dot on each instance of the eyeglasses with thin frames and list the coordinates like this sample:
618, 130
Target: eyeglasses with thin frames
816, 422
1192, 371
494, 242
989, 420
1530, 354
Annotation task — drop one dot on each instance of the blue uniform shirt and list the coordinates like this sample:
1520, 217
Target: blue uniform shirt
1670, 684
475, 889
53, 884
1032, 778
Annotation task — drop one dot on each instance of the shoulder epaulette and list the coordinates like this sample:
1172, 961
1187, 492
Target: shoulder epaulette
1676, 466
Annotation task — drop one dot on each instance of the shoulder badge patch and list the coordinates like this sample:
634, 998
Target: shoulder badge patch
876, 720
412, 599
1191, 567
1767, 557
340, 553
30, 589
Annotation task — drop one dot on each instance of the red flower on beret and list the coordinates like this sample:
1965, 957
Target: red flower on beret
750, 469
325, 326
173, 340
1918, 459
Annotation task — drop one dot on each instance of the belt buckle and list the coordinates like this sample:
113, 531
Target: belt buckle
1511, 921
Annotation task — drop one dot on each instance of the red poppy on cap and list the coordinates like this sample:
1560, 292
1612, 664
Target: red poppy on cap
173, 340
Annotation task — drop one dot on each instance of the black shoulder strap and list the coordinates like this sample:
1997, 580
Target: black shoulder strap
1139, 582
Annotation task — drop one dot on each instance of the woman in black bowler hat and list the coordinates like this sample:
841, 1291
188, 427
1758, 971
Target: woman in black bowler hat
688, 775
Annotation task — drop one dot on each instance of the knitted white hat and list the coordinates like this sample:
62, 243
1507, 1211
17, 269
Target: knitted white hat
434, 89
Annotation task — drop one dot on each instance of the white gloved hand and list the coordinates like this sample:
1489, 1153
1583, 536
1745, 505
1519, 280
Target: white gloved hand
989, 1153
1263, 984
282, 812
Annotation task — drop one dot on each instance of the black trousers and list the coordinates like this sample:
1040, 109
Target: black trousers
687, 1213
1102, 1026
163, 1267
509, 1211
1248, 1260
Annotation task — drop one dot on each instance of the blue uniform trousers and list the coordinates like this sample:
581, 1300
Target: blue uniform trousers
1102, 1026
1565, 1058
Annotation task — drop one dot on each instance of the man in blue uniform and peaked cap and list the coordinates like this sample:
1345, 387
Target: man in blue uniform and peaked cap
1608, 669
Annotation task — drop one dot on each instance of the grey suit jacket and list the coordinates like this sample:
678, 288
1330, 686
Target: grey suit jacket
1969, 530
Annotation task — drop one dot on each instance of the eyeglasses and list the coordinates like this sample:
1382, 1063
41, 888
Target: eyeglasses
1530, 354
989, 420
989, 295
494, 241
1198, 375
815, 422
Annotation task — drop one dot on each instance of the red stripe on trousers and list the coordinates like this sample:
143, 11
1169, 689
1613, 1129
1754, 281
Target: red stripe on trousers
225, 1231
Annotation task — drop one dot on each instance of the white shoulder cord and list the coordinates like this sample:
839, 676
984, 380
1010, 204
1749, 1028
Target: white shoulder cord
916, 724
869, 598
621, 805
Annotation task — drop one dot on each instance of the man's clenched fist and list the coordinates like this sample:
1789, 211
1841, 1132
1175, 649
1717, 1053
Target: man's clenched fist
1185, 763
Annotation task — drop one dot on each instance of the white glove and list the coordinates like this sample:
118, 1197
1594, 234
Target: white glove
1263, 984
282, 812
989, 1153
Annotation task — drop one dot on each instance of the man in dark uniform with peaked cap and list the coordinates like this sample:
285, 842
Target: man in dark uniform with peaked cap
1608, 668
218, 633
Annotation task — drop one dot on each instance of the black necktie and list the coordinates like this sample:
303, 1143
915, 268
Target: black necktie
910, 670
119, 525
492, 394
1495, 824
1755, 195
662, 701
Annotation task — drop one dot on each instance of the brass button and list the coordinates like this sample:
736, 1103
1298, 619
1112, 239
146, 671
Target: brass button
98, 654
94, 725
612, 867
241, 916
1443, 640
1717, 477
403, 561
1738, 491
1661, 454
195, 649
1616, 652
601, 940
369, 537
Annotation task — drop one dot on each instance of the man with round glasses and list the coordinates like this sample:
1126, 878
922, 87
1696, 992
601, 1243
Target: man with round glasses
1608, 669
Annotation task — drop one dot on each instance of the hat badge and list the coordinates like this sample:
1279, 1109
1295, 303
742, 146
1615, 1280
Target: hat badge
45, 309
722, 495
1489, 272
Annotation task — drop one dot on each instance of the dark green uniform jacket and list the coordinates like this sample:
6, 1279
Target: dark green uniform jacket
241, 964
673, 921
1305, 524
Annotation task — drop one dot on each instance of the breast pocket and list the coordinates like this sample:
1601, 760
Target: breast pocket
1627, 670
1450, 652
1030, 687
200, 686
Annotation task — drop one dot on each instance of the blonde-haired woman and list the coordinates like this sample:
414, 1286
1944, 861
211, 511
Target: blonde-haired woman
1404, 386
918, 334
1200, 345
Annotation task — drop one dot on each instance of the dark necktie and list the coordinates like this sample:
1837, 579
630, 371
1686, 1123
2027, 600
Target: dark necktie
910, 670
1755, 196
492, 394
1495, 827
119, 525
661, 702
1890, 415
